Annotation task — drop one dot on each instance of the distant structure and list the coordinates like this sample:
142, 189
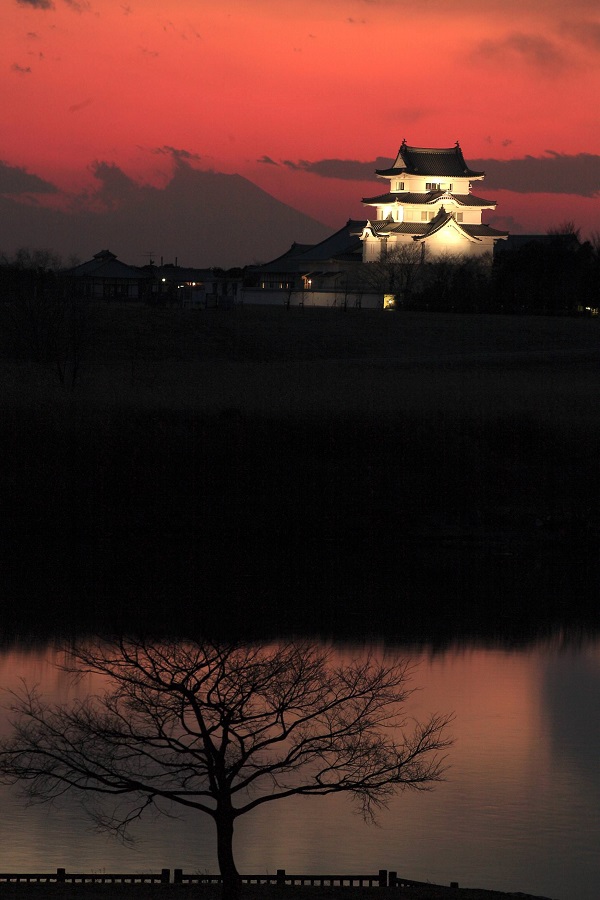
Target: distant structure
429, 203
106, 277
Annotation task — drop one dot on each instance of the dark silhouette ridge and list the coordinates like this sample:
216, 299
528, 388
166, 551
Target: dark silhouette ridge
200, 218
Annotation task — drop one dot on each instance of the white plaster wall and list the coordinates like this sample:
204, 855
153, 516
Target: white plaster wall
371, 249
335, 299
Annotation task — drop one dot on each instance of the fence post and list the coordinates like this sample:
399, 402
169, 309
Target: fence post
177, 873
383, 878
393, 879
60, 874
280, 877
165, 876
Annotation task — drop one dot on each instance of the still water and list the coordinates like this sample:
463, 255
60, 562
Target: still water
519, 811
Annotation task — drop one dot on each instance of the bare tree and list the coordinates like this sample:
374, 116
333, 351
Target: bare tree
396, 272
48, 324
222, 729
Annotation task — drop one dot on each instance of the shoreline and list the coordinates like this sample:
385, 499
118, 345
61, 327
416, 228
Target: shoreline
54, 891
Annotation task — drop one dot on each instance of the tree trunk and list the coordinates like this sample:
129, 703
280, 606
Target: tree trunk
231, 881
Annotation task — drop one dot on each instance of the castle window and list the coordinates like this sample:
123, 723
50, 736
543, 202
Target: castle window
427, 215
432, 186
459, 217
399, 186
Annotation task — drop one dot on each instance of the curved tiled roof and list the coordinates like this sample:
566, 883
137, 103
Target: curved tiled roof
343, 245
407, 198
441, 220
106, 265
484, 230
440, 161
387, 226
421, 230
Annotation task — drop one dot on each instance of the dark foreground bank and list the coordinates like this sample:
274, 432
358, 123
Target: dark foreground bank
185, 521
187, 892
260, 472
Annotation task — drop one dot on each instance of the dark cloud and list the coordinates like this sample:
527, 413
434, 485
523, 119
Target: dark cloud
21, 70
16, 180
37, 4
532, 49
267, 160
555, 173
75, 107
586, 33
344, 169
115, 186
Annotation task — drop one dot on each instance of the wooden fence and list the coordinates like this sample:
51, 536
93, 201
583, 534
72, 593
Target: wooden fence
382, 879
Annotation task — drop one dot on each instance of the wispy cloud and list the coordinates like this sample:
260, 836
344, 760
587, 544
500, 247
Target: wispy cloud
37, 4
76, 107
585, 32
79, 6
179, 156
532, 49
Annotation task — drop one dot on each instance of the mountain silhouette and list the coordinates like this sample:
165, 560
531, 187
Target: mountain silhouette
200, 218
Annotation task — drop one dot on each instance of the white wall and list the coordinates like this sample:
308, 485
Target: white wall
336, 299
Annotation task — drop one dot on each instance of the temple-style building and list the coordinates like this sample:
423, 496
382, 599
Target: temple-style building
429, 204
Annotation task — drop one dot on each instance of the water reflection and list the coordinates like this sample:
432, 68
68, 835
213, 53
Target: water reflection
519, 811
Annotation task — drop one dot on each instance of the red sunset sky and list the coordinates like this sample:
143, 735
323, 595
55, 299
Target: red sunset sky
306, 97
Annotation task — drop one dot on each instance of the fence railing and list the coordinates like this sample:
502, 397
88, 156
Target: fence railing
383, 878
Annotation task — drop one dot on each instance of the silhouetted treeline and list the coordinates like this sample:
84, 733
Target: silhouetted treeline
559, 275
554, 274
46, 322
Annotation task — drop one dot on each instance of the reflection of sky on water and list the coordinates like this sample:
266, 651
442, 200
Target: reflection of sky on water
571, 702
519, 811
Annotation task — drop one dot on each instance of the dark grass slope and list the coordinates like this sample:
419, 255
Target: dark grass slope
451, 513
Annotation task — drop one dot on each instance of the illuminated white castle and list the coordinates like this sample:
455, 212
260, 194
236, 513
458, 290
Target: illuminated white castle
429, 204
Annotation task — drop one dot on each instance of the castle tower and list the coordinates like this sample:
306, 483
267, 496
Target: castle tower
429, 203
